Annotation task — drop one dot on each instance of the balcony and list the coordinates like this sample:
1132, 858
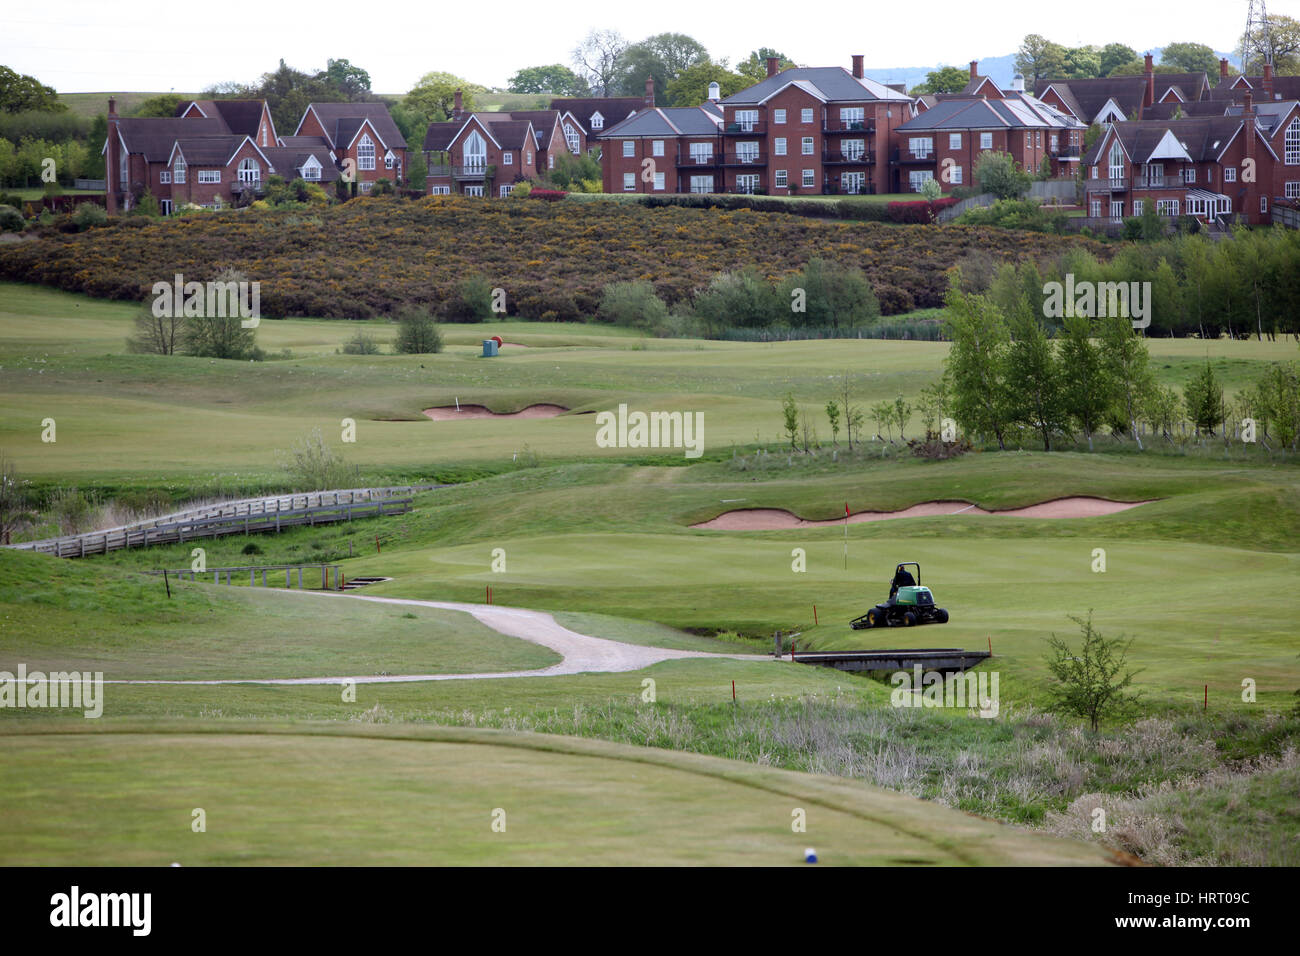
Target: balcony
743, 159
254, 186
1159, 182
744, 129
906, 157
1116, 184
440, 172
833, 127
692, 161
468, 172
837, 157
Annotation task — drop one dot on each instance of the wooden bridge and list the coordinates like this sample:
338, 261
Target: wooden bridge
945, 659
245, 516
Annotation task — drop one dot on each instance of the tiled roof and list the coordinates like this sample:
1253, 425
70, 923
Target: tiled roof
510, 133
831, 83
977, 112
209, 150
154, 136
288, 162
1204, 138
342, 120
438, 136
615, 109
667, 121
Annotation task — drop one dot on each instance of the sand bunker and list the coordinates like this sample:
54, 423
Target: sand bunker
448, 413
777, 519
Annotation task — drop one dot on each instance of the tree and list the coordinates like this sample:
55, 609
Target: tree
632, 304
1190, 58
790, 416
556, 79
164, 104
946, 79
1128, 365
742, 298
1039, 58
1034, 376
932, 404
1203, 397
155, 335
350, 81
1001, 175
312, 465
434, 96
1090, 682
691, 85
219, 337
14, 500
1085, 390
1082, 62
976, 363
471, 301
754, 66
1279, 401
853, 414
417, 332
1284, 33
825, 294
597, 60
902, 412
662, 57
1114, 55
833, 416
20, 93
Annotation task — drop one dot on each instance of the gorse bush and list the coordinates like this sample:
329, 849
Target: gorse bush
633, 305
469, 301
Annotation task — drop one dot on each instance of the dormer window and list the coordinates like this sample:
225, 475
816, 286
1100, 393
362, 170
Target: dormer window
597, 121
311, 170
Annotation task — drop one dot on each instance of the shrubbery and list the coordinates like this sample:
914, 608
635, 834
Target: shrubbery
417, 332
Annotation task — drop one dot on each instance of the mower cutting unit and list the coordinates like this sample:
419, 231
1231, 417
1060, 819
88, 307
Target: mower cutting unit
909, 603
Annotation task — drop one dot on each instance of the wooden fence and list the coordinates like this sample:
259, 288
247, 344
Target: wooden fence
245, 516
331, 575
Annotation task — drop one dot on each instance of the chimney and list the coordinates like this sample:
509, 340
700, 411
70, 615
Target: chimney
111, 161
715, 92
857, 66
649, 91
1248, 119
458, 107
773, 65
1223, 68
1018, 83
974, 69
1149, 98
1268, 81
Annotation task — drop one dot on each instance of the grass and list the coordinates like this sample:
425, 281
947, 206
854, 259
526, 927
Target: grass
428, 796
69, 615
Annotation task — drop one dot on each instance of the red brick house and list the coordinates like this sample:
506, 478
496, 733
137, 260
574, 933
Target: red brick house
480, 154
801, 130
946, 137
1215, 168
672, 149
588, 117
362, 138
1116, 99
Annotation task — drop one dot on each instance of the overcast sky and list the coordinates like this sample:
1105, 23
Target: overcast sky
77, 45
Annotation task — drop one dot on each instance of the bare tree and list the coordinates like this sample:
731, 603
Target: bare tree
155, 334
13, 500
596, 58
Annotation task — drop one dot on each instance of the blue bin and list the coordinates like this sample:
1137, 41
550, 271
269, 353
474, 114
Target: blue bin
489, 348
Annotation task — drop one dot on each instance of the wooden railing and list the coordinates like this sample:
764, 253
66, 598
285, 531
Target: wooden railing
331, 575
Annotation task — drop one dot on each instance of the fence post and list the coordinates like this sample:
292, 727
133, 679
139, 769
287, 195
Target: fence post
264, 577
286, 578
300, 578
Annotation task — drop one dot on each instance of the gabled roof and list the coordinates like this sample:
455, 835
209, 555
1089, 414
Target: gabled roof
239, 116
438, 137
544, 123
341, 121
667, 121
1199, 139
153, 136
289, 161
833, 84
1234, 88
1087, 98
212, 150
982, 86
1017, 111
615, 109
509, 133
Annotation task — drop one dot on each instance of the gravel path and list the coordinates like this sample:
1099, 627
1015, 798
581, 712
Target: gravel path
582, 653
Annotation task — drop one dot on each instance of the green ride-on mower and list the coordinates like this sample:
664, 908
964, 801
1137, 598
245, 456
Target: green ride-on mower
909, 603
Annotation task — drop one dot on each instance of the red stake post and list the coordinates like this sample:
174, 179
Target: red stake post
1205, 705
376, 544
814, 615
733, 691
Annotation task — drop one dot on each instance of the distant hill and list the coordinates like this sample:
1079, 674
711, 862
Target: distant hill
1000, 68
91, 105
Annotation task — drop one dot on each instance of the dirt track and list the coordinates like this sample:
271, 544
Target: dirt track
581, 652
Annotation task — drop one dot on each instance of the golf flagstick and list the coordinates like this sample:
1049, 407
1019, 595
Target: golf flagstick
846, 536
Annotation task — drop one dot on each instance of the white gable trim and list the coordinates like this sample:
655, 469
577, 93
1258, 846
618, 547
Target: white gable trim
801, 84
482, 127
1110, 112
365, 122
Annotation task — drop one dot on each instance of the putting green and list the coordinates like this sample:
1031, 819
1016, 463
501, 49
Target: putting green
362, 795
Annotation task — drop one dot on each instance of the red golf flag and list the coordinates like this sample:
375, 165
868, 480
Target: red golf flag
846, 509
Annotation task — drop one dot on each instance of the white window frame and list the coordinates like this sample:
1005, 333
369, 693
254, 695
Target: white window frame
921, 147
165, 177
806, 146
1291, 189
1229, 174
179, 170
1189, 174
986, 140
853, 149
366, 152
1263, 204
954, 140
597, 121
437, 190
364, 187
853, 184
476, 190
656, 147
701, 153
747, 152
507, 158
572, 139
166, 206
1139, 206
778, 146
388, 161
1167, 207
809, 179
806, 115
629, 182
209, 177
780, 178
746, 120
250, 170
506, 190
550, 160
747, 182
956, 176
778, 117
629, 148
701, 184
660, 184
917, 178
853, 114
1291, 144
